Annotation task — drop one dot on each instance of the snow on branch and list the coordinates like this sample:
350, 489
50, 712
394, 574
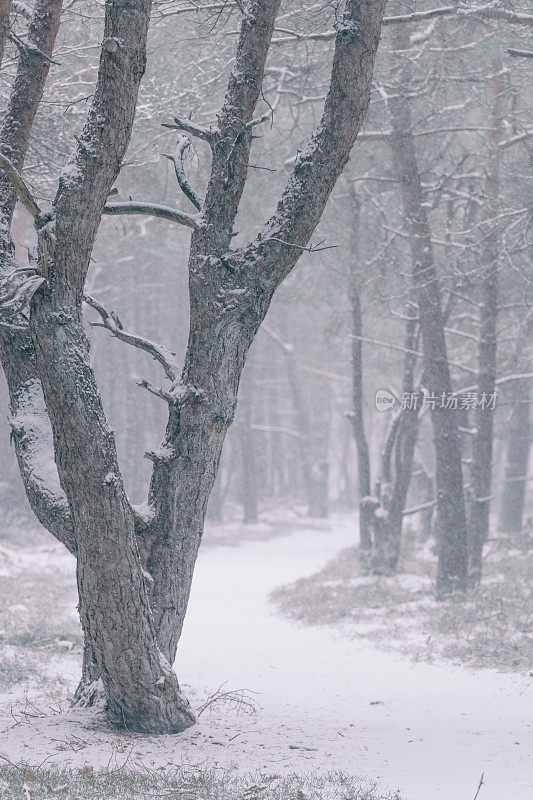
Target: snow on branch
180, 124
112, 323
152, 210
16, 290
21, 9
20, 186
224, 6
183, 143
487, 12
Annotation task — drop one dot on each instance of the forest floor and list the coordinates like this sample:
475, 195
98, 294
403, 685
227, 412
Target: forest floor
493, 627
296, 710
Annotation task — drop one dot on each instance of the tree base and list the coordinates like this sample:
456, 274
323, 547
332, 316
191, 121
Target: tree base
90, 694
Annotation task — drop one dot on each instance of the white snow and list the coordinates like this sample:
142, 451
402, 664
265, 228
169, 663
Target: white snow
326, 701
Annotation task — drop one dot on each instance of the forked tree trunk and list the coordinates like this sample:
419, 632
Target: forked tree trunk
518, 442
381, 516
135, 573
452, 572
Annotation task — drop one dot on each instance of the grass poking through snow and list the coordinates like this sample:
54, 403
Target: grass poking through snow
20, 782
38, 619
491, 627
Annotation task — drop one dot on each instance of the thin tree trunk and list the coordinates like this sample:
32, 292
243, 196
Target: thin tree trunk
394, 484
356, 416
5, 9
518, 440
483, 439
248, 466
452, 572
312, 469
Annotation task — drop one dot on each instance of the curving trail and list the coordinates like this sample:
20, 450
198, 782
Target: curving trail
436, 728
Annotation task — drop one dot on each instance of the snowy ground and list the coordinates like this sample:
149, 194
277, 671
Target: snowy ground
324, 701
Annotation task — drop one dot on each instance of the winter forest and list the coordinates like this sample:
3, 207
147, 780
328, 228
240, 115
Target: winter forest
266, 319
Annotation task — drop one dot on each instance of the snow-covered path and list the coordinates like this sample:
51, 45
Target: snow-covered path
438, 727
434, 731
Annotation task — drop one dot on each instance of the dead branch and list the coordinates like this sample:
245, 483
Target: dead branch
20, 186
481, 783
112, 323
236, 698
180, 124
182, 145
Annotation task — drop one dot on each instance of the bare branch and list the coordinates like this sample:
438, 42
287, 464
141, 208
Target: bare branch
16, 290
112, 323
152, 210
512, 17
7, 326
520, 137
481, 783
421, 507
158, 392
182, 145
412, 352
519, 53
199, 8
21, 9
180, 124
20, 186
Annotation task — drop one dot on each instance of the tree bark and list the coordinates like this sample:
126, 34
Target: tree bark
31, 432
5, 9
142, 690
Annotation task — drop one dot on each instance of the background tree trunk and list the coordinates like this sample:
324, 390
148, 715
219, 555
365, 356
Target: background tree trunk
248, 464
356, 415
452, 573
398, 464
482, 445
518, 441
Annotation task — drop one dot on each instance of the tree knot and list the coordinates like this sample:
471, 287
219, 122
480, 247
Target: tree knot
186, 393
348, 31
